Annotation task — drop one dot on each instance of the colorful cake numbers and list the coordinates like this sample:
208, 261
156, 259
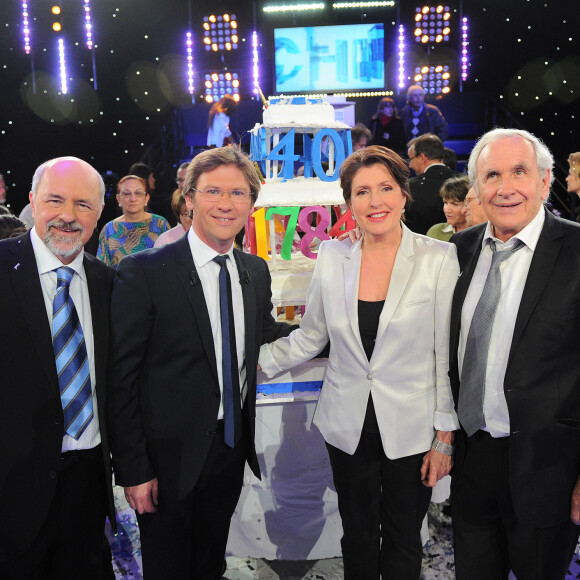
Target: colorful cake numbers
295, 217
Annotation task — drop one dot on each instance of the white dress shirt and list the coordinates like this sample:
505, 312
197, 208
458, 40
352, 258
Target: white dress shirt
47, 263
514, 273
208, 272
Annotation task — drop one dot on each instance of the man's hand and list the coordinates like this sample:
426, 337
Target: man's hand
143, 498
575, 510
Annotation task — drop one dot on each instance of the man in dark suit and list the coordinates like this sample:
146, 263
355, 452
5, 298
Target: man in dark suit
180, 439
55, 472
515, 329
426, 160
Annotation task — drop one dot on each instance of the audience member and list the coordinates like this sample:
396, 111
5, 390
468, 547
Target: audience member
133, 231
387, 127
450, 158
515, 492
55, 473
181, 173
188, 320
11, 226
473, 210
26, 216
159, 203
573, 179
426, 160
360, 136
419, 118
453, 192
218, 123
183, 216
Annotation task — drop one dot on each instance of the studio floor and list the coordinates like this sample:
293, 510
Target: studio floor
437, 558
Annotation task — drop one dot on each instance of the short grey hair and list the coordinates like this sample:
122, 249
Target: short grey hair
413, 88
544, 158
39, 173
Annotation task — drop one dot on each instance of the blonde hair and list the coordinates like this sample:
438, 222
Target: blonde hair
574, 162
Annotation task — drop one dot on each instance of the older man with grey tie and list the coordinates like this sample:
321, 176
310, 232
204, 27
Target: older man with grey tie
515, 327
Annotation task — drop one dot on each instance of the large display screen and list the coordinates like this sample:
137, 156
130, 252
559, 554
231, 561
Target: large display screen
329, 58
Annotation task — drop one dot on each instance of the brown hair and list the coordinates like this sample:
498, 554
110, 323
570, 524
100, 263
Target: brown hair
574, 162
374, 155
177, 202
227, 104
455, 188
136, 178
382, 102
212, 159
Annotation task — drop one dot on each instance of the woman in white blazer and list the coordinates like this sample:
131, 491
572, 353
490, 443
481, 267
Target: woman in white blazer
385, 408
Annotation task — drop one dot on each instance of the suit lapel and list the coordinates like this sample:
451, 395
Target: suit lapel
249, 298
468, 253
351, 272
23, 271
99, 292
539, 274
191, 283
402, 269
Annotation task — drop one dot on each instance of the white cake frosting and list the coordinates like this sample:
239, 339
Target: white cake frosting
313, 113
300, 191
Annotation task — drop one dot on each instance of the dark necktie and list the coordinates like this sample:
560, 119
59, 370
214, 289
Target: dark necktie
72, 363
473, 371
230, 373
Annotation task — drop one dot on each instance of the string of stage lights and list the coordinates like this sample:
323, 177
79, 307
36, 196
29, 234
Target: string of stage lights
56, 11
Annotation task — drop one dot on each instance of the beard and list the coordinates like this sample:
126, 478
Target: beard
64, 246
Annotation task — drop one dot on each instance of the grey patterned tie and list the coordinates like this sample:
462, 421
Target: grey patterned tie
470, 408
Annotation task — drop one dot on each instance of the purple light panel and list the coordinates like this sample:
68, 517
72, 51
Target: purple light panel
189, 48
25, 27
402, 79
255, 61
464, 45
88, 24
62, 61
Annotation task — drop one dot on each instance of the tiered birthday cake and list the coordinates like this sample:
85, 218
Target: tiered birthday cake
297, 132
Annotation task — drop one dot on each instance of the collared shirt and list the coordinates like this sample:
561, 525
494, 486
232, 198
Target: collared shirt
47, 264
208, 272
514, 273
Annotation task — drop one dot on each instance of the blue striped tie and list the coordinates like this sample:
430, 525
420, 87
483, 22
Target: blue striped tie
72, 363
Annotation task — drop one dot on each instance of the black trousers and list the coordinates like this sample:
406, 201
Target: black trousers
69, 545
382, 503
187, 538
489, 540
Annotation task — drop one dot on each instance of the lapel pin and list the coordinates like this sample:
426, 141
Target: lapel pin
16, 267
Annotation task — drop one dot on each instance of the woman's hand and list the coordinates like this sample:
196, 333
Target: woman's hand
437, 465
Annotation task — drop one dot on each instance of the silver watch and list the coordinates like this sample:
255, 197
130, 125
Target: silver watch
441, 447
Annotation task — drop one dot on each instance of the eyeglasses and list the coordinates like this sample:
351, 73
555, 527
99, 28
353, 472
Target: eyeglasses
214, 194
128, 194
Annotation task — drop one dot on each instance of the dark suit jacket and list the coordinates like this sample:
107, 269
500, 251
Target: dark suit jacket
31, 417
166, 394
427, 207
542, 381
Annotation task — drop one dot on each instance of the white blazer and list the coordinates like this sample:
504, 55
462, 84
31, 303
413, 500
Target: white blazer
407, 373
